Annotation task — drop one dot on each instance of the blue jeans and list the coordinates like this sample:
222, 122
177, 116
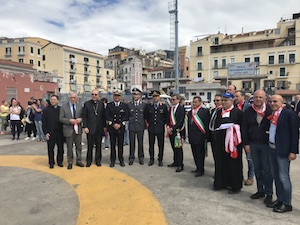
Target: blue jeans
261, 161
39, 129
250, 166
280, 167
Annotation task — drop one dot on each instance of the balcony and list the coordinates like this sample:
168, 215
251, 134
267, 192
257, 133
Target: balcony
86, 63
21, 53
87, 73
8, 54
283, 75
107, 76
72, 60
199, 68
199, 54
72, 70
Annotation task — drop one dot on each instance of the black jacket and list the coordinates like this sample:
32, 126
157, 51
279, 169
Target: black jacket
93, 116
156, 118
50, 121
116, 114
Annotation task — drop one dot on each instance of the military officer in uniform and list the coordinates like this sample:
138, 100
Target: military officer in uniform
116, 114
156, 115
136, 126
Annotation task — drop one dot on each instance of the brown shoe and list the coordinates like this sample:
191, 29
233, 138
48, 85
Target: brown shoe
248, 182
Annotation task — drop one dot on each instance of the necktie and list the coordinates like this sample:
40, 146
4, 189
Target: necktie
74, 111
156, 105
135, 103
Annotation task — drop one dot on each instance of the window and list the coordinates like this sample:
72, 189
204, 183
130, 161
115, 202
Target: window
39, 63
98, 71
199, 74
158, 75
86, 60
31, 61
86, 79
250, 46
187, 68
71, 78
277, 31
39, 51
21, 49
85, 69
11, 93
223, 63
71, 66
98, 80
72, 56
125, 70
216, 41
98, 62
31, 50
21, 60
280, 58
247, 59
292, 57
201, 93
199, 51
215, 63
232, 60
282, 72
199, 66
271, 59
194, 93
44, 57
256, 60
216, 73
8, 51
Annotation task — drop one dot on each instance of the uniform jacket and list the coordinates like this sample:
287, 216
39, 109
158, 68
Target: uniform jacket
93, 116
116, 114
156, 118
136, 116
287, 133
195, 135
64, 117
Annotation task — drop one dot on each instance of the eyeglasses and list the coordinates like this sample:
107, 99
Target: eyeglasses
217, 100
135, 93
94, 94
273, 101
173, 99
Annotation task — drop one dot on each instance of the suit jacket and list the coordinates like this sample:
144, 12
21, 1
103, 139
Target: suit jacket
136, 116
179, 115
93, 116
287, 133
64, 117
50, 121
156, 118
116, 114
195, 135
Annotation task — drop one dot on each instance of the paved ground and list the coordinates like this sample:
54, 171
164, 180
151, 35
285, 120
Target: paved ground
33, 194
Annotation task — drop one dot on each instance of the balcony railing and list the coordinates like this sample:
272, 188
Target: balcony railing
199, 54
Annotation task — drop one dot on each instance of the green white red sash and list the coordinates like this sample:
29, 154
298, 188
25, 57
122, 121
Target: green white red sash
199, 123
173, 119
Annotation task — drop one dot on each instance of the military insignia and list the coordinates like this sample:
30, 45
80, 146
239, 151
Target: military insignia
109, 123
161, 111
123, 122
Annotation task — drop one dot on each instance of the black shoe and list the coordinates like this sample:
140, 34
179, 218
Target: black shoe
179, 169
234, 191
130, 163
257, 195
199, 174
70, 166
141, 161
99, 164
274, 204
112, 164
283, 208
60, 165
268, 200
80, 164
160, 163
151, 163
88, 164
122, 164
51, 166
172, 165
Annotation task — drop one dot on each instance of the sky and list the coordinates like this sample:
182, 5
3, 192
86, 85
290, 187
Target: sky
99, 25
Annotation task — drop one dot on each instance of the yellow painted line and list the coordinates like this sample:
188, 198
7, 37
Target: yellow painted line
106, 195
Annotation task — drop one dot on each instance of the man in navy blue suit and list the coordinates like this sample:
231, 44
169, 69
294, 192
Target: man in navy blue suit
283, 143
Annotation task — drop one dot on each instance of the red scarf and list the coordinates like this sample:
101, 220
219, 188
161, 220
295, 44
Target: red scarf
226, 110
261, 113
240, 105
274, 116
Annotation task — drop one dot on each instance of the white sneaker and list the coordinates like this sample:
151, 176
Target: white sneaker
33, 138
28, 138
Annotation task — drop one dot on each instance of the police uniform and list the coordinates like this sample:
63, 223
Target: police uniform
156, 116
136, 128
116, 113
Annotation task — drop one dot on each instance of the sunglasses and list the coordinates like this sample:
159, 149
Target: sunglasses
94, 94
217, 100
173, 99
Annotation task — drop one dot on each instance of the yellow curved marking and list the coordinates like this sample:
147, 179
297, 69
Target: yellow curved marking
106, 195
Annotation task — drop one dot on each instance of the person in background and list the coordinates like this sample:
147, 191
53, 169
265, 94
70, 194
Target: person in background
15, 120
38, 108
53, 131
106, 140
30, 122
183, 132
231, 89
283, 148
4, 112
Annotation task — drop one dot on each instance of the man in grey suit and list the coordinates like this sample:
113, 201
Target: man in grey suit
70, 116
136, 126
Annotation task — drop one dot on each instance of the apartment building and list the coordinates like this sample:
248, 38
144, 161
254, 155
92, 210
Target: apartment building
23, 50
81, 70
274, 52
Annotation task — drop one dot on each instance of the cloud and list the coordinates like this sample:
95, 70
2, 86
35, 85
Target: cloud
98, 25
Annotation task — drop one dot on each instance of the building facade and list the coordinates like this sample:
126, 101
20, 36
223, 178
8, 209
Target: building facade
275, 53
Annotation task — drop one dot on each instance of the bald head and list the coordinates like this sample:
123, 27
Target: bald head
276, 101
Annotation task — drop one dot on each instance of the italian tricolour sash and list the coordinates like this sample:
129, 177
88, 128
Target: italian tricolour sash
198, 121
173, 119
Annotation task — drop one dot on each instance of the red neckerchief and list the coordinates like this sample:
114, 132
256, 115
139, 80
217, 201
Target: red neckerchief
240, 105
261, 113
219, 107
226, 110
274, 116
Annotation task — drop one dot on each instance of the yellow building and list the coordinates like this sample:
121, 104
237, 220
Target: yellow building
275, 53
23, 50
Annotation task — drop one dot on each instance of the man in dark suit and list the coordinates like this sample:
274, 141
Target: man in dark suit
297, 107
156, 114
53, 132
136, 126
93, 118
175, 125
71, 117
283, 144
116, 114
198, 120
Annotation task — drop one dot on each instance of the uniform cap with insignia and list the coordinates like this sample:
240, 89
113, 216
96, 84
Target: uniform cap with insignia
155, 93
117, 92
136, 91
